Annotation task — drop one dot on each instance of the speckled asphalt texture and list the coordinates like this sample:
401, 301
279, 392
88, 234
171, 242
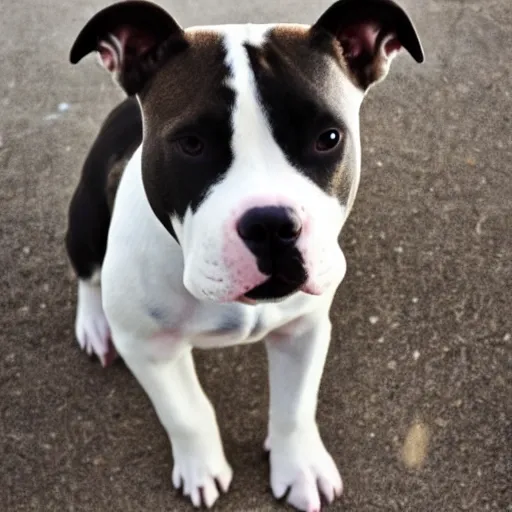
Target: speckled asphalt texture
416, 400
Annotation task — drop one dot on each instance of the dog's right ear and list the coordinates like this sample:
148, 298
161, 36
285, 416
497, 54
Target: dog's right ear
370, 33
133, 39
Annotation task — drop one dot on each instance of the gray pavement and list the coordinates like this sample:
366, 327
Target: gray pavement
416, 401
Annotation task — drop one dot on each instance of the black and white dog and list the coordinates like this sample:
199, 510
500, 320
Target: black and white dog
208, 215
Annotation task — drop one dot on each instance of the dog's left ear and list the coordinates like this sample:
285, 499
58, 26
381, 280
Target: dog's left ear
370, 32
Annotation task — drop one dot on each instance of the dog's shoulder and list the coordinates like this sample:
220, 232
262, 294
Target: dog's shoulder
118, 138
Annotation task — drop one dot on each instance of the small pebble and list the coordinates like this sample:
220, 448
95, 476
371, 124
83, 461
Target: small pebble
440, 422
374, 319
415, 447
416, 355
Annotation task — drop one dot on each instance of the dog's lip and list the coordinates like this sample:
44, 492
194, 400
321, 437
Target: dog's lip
285, 288
307, 288
246, 300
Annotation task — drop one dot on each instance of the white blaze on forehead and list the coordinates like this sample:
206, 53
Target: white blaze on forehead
250, 125
252, 141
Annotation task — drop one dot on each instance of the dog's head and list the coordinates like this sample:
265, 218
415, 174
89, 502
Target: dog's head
251, 152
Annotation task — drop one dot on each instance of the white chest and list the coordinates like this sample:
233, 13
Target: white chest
212, 326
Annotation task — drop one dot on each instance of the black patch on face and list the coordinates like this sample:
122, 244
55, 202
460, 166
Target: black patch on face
187, 99
193, 176
289, 92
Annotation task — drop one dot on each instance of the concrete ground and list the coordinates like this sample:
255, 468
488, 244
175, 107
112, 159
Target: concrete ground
416, 402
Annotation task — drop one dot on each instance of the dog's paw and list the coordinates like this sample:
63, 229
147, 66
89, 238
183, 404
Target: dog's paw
302, 468
91, 327
201, 474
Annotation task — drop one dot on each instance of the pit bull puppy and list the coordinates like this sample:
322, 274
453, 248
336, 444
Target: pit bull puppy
208, 214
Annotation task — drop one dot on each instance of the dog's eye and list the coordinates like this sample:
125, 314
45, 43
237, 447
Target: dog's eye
191, 145
328, 140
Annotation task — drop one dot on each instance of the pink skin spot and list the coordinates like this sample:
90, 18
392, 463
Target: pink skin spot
113, 50
244, 273
392, 46
311, 288
362, 38
111, 355
358, 39
166, 337
108, 56
309, 247
238, 259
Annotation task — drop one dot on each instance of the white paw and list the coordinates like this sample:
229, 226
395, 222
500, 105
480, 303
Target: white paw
301, 466
201, 473
91, 326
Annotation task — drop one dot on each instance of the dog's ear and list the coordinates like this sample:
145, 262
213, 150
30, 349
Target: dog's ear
132, 39
370, 32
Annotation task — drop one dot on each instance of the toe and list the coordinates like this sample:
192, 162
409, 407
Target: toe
210, 493
326, 488
279, 488
195, 497
81, 338
304, 494
224, 478
176, 478
88, 346
329, 479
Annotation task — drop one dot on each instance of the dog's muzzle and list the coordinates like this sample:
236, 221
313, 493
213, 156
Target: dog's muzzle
271, 233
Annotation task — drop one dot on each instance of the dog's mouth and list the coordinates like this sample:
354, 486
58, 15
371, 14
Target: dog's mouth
286, 276
276, 287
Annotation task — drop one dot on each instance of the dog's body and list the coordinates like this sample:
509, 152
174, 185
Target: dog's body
225, 221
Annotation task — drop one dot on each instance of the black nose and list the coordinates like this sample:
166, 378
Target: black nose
268, 230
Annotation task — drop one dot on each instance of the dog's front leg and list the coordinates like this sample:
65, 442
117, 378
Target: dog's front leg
299, 461
185, 412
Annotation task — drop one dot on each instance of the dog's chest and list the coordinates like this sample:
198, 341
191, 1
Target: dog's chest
233, 324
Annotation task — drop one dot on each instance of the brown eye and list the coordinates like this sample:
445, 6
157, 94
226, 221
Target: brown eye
328, 140
191, 145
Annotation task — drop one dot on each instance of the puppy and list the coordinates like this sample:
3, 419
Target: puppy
208, 215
